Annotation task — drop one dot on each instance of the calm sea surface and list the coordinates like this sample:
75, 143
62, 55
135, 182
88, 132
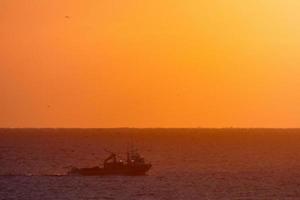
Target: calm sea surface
187, 164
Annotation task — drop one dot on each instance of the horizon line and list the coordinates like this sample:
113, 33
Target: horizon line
149, 127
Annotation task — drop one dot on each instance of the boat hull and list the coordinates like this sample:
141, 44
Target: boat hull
138, 170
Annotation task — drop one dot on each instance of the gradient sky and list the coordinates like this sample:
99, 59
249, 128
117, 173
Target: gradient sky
156, 63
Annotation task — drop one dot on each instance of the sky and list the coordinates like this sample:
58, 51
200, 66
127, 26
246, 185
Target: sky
151, 63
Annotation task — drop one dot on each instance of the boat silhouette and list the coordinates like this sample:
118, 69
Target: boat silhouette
135, 165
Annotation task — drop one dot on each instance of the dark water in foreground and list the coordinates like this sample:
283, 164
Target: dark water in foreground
187, 164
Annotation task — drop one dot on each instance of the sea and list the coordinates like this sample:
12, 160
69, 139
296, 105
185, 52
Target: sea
208, 164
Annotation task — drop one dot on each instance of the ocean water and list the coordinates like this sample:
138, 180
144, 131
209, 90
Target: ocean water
187, 164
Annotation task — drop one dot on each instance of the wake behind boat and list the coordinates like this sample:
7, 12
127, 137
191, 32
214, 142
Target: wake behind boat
135, 165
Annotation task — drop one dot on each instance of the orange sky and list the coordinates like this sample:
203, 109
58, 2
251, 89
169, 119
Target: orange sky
156, 63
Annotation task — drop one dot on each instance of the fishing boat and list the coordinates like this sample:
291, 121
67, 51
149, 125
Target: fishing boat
135, 165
